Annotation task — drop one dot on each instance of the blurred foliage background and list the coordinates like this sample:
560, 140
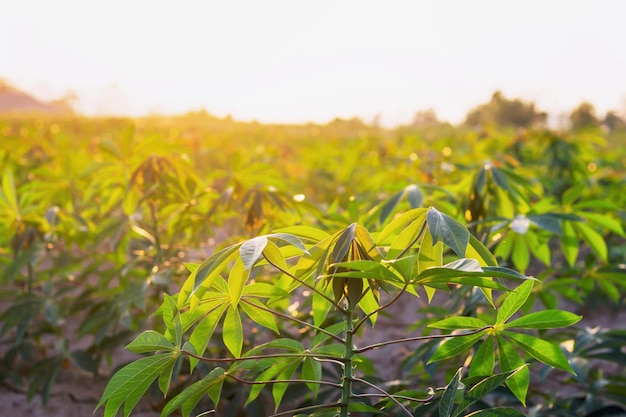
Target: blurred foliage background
99, 215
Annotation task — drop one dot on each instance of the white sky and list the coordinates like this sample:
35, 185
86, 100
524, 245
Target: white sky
298, 61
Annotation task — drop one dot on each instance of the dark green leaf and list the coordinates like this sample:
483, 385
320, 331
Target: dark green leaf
484, 359
187, 400
458, 323
131, 382
232, 333
483, 388
446, 405
593, 239
150, 341
514, 301
510, 360
455, 345
444, 228
546, 319
547, 222
541, 350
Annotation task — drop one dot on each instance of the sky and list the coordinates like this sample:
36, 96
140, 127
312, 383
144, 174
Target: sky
299, 61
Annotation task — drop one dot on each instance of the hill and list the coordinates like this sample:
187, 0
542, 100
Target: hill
13, 100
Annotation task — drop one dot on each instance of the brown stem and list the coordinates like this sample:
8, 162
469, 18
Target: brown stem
412, 339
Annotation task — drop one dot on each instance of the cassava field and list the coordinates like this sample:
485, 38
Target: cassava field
350, 230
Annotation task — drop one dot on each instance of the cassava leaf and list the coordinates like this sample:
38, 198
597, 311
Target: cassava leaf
446, 405
546, 319
444, 228
514, 301
150, 341
131, 382
191, 396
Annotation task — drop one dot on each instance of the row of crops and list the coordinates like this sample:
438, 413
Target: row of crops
99, 217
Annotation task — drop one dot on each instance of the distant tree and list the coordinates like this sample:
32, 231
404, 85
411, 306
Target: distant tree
613, 122
425, 118
583, 117
502, 111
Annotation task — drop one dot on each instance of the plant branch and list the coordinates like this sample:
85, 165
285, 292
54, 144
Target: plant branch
384, 393
335, 359
288, 317
416, 338
309, 408
283, 381
309, 286
413, 242
381, 308
400, 397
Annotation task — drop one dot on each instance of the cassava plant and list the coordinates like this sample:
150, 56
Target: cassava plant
349, 277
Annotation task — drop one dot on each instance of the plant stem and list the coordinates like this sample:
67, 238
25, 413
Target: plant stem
416, 338
307, 285
348, 377
288, 317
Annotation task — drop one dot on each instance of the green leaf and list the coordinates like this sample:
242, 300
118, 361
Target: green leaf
131, 382
546, 319
458, 323
444, 228
232, 333
203, 277
499, 176
290, 239
593, 239
171, 318
484, 359
539, 247
201, 334
305, 232
258, 315
273, 254
405, 267
510, 360
364, 269
263, 290
569, 243
389, 206
9, 195
477, 250
514, 301
455, 345
165, 379
400, 223
520, 253
312, 371
453, 269
446, 405
405, 239
483, 388
573, 193
278, 390
368, 244
250, 250
191, 396
547, 221
320, 305
430, 255
541, 350
236, 281
150, 341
